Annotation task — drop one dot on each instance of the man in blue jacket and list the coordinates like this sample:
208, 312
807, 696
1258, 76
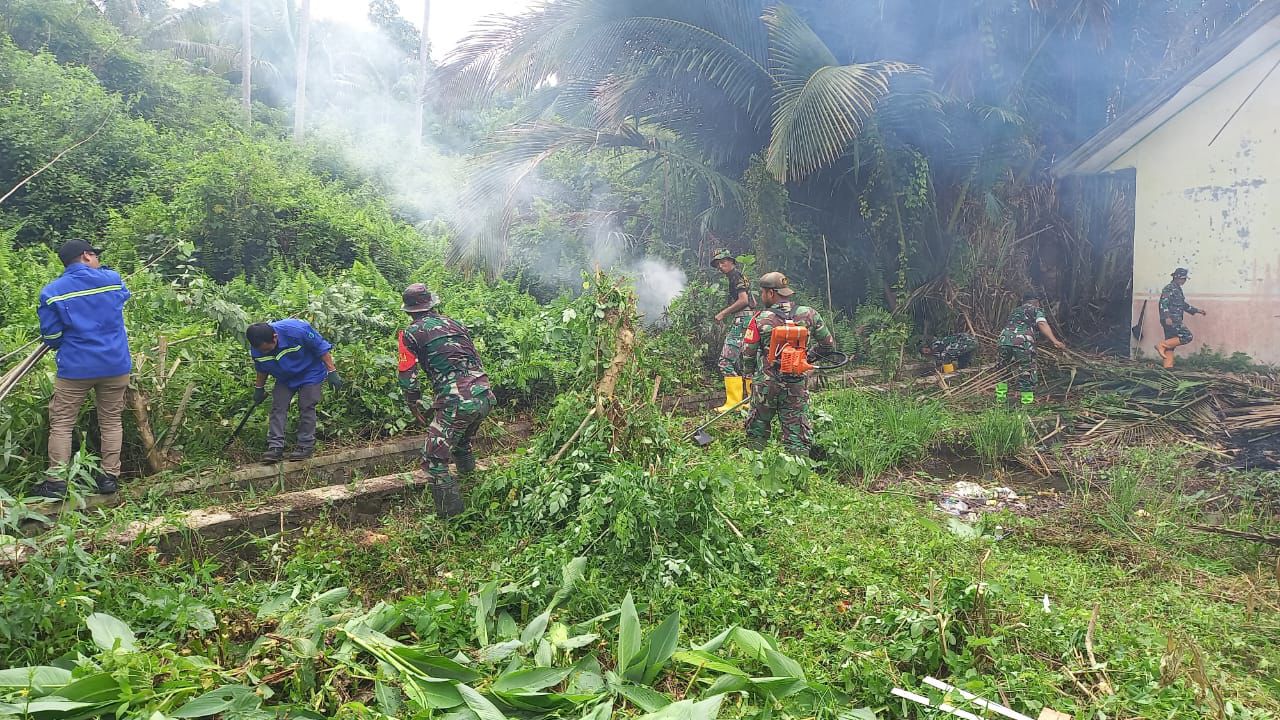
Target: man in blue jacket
298, 358
82, 318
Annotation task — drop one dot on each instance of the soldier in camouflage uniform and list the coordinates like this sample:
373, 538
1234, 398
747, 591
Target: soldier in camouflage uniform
442, 347
1018, 346
738, 311
785, 396
958, 349
1173, 304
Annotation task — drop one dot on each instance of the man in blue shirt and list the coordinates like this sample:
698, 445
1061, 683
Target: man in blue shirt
82, 319
298, 358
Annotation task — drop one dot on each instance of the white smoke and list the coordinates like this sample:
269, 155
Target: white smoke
657, 284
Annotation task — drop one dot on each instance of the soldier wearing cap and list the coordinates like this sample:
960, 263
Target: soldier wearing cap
82, 319
1173, 304
442, 348
774, 393
738, 311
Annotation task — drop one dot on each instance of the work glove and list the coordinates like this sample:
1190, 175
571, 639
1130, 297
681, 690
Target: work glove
334, 380
259, 394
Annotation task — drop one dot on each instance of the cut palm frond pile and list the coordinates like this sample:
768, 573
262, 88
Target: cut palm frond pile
1123, 404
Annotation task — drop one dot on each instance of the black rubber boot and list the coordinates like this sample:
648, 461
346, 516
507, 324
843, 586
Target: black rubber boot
447, 496
50, 489
465, 462
272, 456
301, 453
108, 484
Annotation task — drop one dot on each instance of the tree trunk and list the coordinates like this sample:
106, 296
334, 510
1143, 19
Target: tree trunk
156, 460
246, 60
300, 93
424, 64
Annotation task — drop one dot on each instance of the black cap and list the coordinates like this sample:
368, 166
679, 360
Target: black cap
1030, 295
71, 251
1180, 273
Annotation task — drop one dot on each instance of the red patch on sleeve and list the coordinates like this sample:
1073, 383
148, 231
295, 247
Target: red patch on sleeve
406, 358
753, 332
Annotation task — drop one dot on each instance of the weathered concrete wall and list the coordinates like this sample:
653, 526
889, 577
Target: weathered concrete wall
1213, 206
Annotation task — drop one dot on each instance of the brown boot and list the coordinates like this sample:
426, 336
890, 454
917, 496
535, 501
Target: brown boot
1161, 352
1168, 346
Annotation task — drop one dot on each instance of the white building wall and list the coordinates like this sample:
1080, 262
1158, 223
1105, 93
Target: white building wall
1213, 206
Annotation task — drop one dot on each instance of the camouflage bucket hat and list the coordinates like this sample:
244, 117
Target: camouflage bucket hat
722, 254
417, 298
1181, 273
776, 282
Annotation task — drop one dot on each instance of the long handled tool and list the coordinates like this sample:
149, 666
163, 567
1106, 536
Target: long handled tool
19, 371
1137, 329
830, 360
700, 435
240, 426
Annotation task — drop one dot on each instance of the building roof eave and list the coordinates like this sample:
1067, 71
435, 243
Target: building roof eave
1099, 152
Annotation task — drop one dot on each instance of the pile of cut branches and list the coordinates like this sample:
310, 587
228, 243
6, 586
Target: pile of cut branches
1122, 403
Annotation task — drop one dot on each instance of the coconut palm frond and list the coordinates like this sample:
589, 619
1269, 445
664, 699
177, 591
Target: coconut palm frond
821, 106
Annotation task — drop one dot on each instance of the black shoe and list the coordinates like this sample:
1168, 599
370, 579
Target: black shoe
108, 484
50, 489
300, 453
272, 456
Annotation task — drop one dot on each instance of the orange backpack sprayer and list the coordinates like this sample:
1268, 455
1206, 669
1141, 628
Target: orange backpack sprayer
788, 349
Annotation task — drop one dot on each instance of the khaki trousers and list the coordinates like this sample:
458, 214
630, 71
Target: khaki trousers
64, 408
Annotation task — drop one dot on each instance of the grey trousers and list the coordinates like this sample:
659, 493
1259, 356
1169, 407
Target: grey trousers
281, 396
68, 396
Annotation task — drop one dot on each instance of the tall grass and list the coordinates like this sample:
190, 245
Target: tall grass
868, 434
998, 434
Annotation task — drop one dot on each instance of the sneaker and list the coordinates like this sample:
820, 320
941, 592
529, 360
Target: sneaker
50, 490
272, 456
300, 453
108, 484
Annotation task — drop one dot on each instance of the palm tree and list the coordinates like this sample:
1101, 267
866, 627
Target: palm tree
246, 59
721, 80
424, 67
300, 93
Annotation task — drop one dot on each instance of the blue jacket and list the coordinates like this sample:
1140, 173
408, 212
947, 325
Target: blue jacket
296, 359
82, 317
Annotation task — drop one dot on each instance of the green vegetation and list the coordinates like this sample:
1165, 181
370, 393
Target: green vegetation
998, 434
607, 565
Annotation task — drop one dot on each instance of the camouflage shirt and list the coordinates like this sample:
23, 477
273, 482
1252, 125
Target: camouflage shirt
1173, 304
760, 331
1022, 326
737, 285
443, 349
950, 347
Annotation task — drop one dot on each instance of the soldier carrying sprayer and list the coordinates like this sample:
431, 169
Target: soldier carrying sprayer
775, 349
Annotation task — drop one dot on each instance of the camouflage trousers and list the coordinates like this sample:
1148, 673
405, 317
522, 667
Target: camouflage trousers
1021, 358
1179, 331
789, 402
730, 362
453, 425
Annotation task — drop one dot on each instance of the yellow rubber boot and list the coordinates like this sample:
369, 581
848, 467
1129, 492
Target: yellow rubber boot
746, 392
1168, 346
732, 393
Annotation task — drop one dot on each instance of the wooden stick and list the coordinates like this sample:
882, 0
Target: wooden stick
172, 433
1256, 537
55, 159
728, 522
657, 384
1105, 684
555, 458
